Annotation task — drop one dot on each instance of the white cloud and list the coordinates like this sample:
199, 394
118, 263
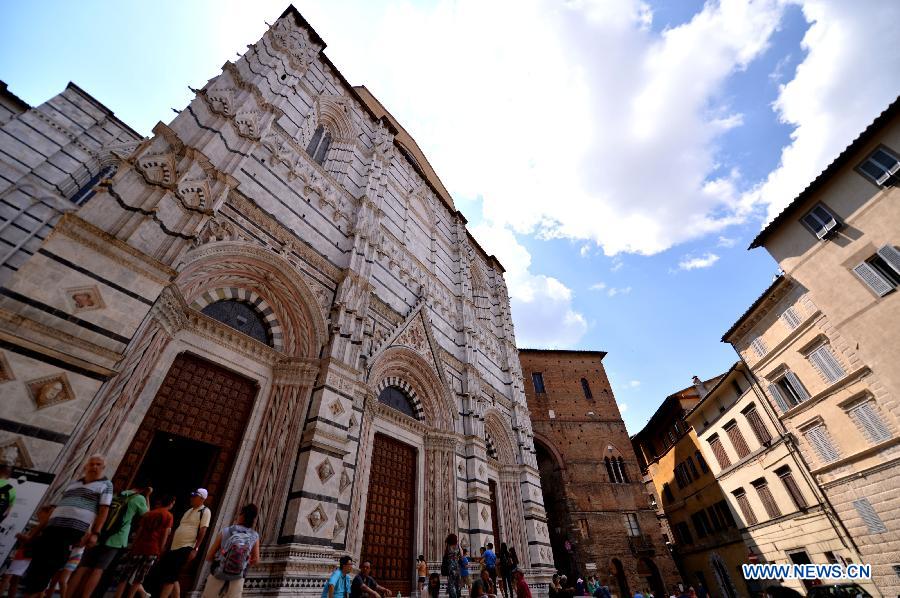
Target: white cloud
837, 91
623, 407
634, 383
613, 291
541, 305
726, 242
695, 263
598, 286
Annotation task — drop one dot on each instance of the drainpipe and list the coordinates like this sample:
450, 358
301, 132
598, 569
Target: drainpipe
800, 461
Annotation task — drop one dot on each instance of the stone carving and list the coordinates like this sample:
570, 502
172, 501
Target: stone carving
85, 298
339, 524
325, 471
317, 518
345, 480
353, 421
462, 514
51, 390
485, 514
15, 453
6, 373
157, 169
336, 408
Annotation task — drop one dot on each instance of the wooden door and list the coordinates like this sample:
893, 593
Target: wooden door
390, 514
495, 516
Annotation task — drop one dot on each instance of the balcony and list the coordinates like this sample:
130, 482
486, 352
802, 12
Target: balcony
641, 545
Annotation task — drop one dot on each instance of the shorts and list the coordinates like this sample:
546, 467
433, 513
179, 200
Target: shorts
49, 553
216, 588
171, 564
18, 567
74, 559
133, 568
99, 557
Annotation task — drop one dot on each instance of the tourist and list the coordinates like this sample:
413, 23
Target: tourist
579, 585
7, 491
365, 584
464, 569
522, 589
490, 562
60, 579
338, 585
483, 586
421, 573
233, 550
77, 519
603, 592
22, 556
127, 505
505, 569
450, 565
592, 585
481, 552
434, 585
555, 589
153, 531
186, 541
638, 594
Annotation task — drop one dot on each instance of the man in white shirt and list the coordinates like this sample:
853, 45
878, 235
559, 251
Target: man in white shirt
186, 541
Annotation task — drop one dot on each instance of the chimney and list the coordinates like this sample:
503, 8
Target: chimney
701, 388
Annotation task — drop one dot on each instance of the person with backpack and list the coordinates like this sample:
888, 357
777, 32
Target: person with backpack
235, 549
78, 519
450, 565
153, 530
186, 541
126, 506
490, 563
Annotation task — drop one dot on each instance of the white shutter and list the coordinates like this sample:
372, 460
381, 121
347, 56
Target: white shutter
821, 441
890, 254
759, 347
779, 398
798, 388
873, 279
869, 516
791, 318
825, 361
871, 422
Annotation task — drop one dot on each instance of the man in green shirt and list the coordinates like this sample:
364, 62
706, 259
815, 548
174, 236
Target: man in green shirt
7, 491
127, 507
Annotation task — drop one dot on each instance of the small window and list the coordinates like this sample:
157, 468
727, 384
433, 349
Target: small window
667, 493
788, 392
869, 516
744, 503
790, 318
823, 359
868, 418
537, 379
396, 398
820, 440
765, 496
881, 272
881, 167
821, 221
719, 451
684, 533
692, 467
790, 484
319, 144
759, 347
736, 387
737, 439
703, 466
757, 425
725, 513
587, 389
701, 524
631, 524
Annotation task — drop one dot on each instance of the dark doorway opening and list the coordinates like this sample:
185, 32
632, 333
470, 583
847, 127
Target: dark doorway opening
176, 466
621, 580
495, 519
648, 569
559, 520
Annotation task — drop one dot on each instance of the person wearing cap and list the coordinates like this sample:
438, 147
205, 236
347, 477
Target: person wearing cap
186, 541
338, 585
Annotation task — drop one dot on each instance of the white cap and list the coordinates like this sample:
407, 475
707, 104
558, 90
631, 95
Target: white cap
201, 492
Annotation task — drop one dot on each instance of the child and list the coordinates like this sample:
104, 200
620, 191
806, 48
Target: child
421, 572
22, 556
434, 585
464, 569
61, 577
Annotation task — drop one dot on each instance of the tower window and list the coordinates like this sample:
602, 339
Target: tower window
587, 389
319, 144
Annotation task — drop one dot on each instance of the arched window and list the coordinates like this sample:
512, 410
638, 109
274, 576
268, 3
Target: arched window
395, 398
615, 469
622, 470
87, 190
609, 470
587, 389
319, 144
240, 316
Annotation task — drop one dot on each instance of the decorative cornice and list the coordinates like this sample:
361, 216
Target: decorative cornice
296, 372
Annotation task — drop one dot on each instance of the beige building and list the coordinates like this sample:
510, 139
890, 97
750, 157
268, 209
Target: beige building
823, 341
781, 513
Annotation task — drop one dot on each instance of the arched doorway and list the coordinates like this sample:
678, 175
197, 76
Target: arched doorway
556, 506
652, 578
621, 580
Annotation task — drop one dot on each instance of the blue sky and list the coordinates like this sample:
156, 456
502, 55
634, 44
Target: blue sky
617, 155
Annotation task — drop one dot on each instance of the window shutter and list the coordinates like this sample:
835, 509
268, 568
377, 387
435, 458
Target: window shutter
737, 440
759, 428
794, 381
873, 279
869, 516
791, 318
719, 451
787, 478
746, 509
818, 436
825, 361
779, 398
768, 501
759, 347
871, 422
890, 254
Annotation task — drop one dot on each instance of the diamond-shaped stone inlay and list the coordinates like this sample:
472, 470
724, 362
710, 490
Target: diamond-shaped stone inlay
462, 513
317, 518
85, 298
345, 480
339, 524
485, 513
51, 390
336, 408
353, 421
325, 470
6, 373
481, 470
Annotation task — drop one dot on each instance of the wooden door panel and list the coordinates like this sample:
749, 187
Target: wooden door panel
390, 514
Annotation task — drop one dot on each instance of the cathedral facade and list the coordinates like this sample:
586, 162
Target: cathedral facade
272, 297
